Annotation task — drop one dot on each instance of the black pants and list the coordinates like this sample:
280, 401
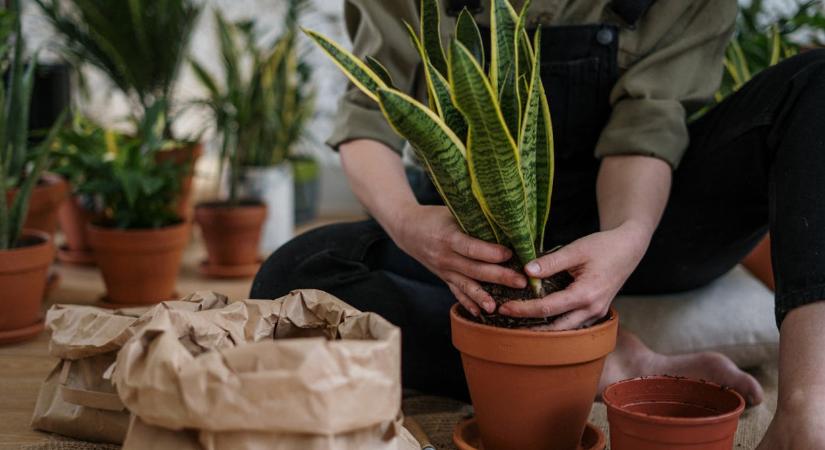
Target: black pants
756, 161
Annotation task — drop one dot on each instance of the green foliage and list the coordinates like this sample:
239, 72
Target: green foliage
120, 173
20, 165
260, 116
138, 44
486, 137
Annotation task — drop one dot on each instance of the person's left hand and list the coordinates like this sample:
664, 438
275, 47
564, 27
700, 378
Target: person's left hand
600, 263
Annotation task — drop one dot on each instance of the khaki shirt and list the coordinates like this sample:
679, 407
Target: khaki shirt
670, 65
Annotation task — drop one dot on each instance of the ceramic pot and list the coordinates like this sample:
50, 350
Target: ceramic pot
758, 262
274, 187
184, 155
307, 188
43, 204
73, 218
532, 390
22, 283
139, 267
671, 413
231, 233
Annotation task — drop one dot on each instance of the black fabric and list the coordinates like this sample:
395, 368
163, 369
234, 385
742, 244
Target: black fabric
631, 10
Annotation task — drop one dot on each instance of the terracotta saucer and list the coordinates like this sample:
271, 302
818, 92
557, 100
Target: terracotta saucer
221, 271
75, 257
104, 302
466, 437
21, 334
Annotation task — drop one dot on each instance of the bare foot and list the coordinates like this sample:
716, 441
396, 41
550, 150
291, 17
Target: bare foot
632, 358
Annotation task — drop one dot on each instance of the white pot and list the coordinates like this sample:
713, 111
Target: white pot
274, 186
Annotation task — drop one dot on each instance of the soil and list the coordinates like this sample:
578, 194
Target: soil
27, 241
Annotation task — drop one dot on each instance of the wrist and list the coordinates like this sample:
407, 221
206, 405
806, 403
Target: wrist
399, 216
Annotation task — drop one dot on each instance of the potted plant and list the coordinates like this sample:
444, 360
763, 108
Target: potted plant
25, 254
232, 228
138, 236
486, 142
140, 48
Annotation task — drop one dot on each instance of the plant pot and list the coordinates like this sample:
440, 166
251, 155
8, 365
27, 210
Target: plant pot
22, 283
671, 413
74, 218
758, 263
184, 155
139, 267
307, 188
232, 234
274, 187
532, 389
43, 204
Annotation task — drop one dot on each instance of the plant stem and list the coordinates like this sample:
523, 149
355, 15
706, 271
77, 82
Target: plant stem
536, 286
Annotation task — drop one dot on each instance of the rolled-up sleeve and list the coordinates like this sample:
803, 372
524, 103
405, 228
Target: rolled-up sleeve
376, 29
680, 72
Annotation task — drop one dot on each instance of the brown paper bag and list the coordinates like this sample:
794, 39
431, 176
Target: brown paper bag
302, 372
77, 398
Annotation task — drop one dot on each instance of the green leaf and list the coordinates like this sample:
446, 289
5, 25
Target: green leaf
491, 152
380, 70
528, 141
359, 73
430, 31
502, 39
545, 161
442, 153
467, 32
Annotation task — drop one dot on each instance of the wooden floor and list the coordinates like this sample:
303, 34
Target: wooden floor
24, 366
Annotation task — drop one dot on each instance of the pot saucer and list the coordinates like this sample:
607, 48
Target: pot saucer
21, 334
105, 302
75, 257
466, 437
228, 271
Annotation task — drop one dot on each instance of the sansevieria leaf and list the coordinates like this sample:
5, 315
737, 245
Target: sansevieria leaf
528, 140
441, 151
491, 152
379, 70
356, 70
503, 74
431, 34
467, 32
545, 159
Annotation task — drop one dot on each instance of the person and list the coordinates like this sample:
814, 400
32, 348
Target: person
645, 201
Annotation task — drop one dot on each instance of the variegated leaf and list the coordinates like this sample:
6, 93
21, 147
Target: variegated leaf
361, 76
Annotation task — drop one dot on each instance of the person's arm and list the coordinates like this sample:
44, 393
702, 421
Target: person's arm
429, 234
632, 193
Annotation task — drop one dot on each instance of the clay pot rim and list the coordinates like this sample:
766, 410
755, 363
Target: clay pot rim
668, 420
42, 236
224, 204
30, 256
516, 332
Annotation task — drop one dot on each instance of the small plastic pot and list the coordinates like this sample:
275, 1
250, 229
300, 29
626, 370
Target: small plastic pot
671, 413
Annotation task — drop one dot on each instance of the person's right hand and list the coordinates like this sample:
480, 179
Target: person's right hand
431, 235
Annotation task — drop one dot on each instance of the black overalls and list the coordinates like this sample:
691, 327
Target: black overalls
755, 160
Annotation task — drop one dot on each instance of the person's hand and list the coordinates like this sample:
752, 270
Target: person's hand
431, 235
600, 263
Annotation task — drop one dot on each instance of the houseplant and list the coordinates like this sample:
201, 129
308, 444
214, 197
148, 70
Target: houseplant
486, 142
140, 47
25, 254
232, 228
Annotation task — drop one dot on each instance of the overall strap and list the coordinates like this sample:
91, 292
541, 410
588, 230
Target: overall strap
630, 11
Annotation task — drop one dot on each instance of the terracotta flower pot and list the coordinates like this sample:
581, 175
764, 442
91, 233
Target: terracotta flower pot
43, 204
73, 219
231, 234
184, 155
532, 390
139, 266
670, 413
22, 283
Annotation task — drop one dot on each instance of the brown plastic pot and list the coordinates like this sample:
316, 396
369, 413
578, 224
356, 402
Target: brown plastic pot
231, 233
73, 219
184, 155
139, 267
43, 204
22, 283
532, 390
671, 413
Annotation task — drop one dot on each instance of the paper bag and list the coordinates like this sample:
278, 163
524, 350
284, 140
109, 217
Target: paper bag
306, 371
77, 398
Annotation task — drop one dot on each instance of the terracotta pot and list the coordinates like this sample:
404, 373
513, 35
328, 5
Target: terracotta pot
73, 219
139, 266
184, 155
22, 283
758, 262
671, 413
43, 204
232, 234
532, 389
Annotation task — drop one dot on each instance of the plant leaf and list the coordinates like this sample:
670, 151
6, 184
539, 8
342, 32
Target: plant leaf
359, 73
467, 32
545, 157
430, 31
502, 38
379, 70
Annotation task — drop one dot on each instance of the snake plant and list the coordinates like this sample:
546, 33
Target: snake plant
485, 136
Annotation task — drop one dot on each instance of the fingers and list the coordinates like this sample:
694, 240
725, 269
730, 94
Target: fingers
465, 301
491, 273
472, 290
479, 250
552, 263
572, 321
552, 305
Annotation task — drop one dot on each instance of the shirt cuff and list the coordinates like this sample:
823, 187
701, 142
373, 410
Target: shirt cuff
355, 121
647, 127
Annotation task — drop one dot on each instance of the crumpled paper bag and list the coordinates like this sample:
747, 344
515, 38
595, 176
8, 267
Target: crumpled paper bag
77, 398
305, 371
